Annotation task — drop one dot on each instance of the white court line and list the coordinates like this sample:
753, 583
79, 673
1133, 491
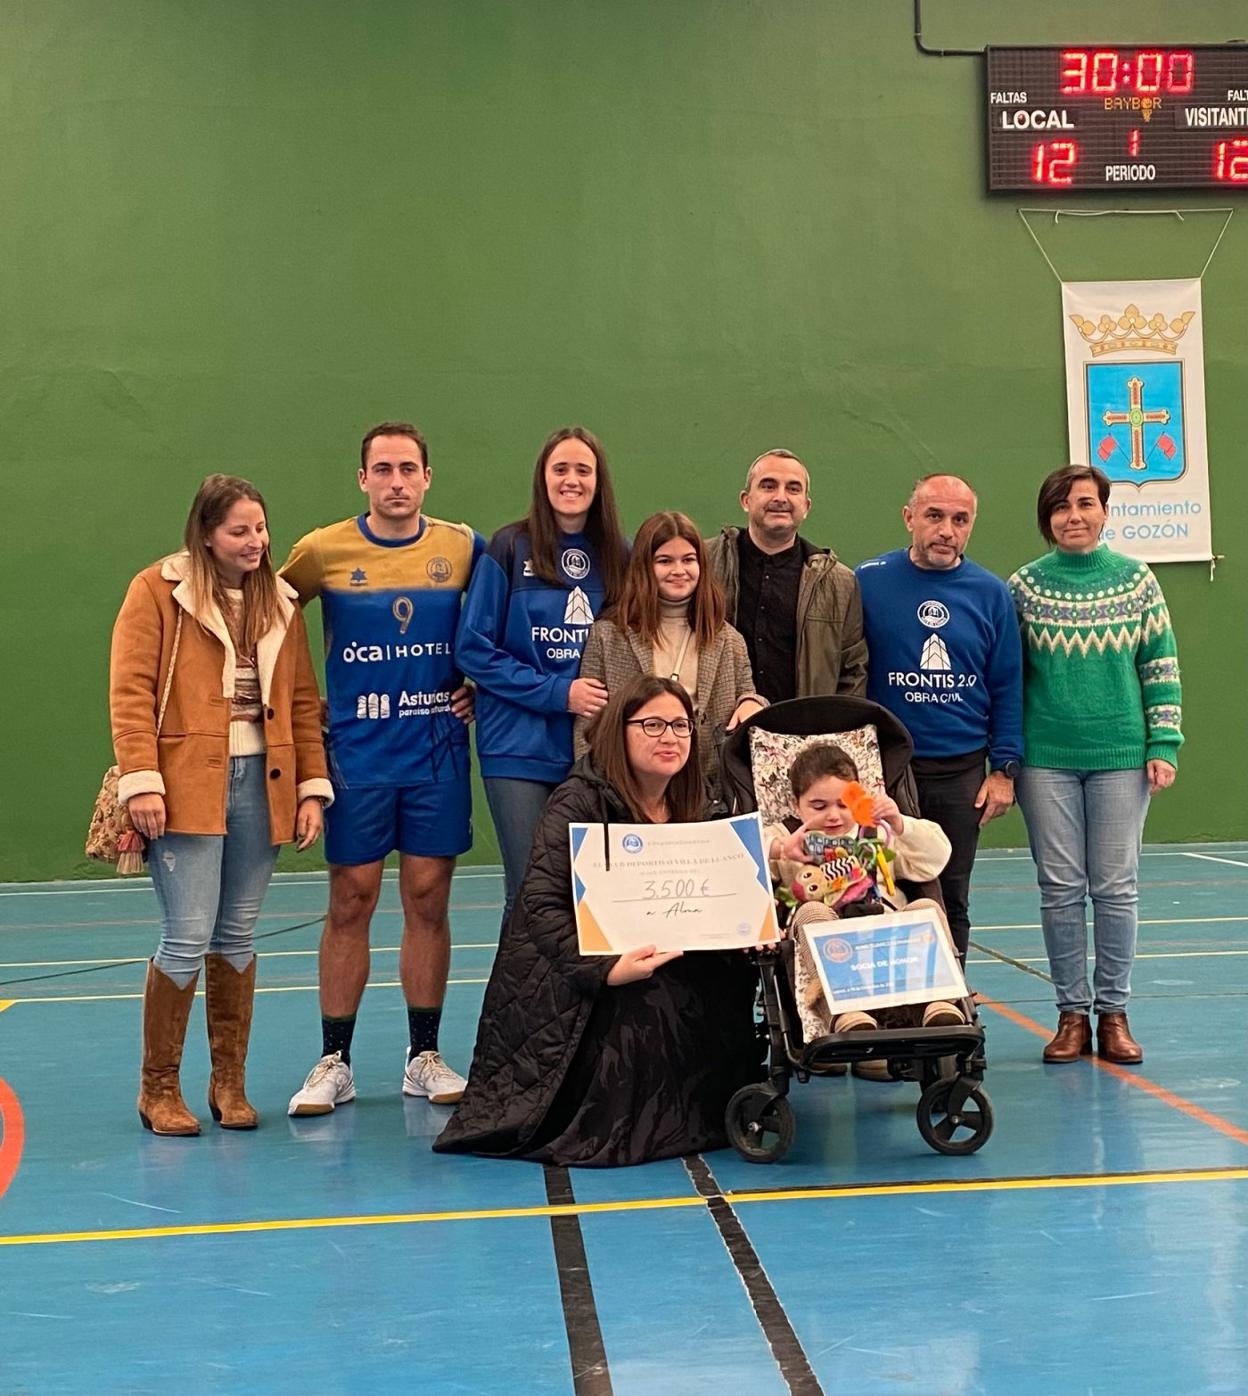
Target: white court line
310, 879
1156, 921
395, 984
1210, 858
1140, 955
260, 989
260, 955
493, 944
144, 884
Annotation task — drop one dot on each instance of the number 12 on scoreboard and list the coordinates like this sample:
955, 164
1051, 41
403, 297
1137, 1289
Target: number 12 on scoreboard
1230, 161
1053, 162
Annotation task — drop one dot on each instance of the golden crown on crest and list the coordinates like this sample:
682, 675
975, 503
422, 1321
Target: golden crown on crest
1131, 330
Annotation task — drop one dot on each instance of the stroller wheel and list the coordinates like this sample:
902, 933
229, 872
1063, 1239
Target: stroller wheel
760, 1124
955, 1116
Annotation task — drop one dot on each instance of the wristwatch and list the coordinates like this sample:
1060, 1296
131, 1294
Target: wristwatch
1009, 768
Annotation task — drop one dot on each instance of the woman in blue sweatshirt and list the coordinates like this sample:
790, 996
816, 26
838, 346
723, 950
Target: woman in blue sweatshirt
534, 594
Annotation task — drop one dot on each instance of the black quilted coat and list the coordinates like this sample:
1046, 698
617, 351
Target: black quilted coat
570, 1070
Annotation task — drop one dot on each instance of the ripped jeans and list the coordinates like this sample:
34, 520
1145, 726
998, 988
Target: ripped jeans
210, 886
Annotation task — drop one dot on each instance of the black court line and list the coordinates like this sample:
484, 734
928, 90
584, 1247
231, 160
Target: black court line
1009, 960
142, 960
790, 1356
590, 1373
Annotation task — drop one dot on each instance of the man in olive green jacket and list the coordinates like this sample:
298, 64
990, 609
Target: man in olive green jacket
797, 605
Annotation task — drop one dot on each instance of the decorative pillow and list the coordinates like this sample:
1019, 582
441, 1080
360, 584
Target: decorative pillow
773, 753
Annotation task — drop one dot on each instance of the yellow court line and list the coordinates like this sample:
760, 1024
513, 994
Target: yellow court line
6, 1003
322, 1223
646, 1204
1081, 1180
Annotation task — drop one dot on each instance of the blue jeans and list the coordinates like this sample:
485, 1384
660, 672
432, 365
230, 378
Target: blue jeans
1085, 829
515, 807
210, 886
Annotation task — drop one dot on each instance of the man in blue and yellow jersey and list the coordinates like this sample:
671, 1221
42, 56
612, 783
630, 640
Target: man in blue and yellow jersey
390, 582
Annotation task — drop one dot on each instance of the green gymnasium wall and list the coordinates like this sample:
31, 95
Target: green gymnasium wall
234, 234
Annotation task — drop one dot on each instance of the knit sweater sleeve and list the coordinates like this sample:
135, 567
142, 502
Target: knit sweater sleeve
922, 849
1157, 663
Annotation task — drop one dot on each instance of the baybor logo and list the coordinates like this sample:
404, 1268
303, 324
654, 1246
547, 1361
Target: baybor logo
631, 843
575, 563
933, 614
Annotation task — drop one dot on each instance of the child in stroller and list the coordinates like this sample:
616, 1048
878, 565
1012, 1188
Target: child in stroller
954, 1114
839, 857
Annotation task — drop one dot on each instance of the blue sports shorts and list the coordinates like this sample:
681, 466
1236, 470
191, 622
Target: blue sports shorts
366, 823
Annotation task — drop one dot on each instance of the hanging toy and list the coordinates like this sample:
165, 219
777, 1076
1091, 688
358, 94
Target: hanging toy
129, 853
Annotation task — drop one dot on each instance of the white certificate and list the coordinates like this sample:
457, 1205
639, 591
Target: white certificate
674, 886
879, 961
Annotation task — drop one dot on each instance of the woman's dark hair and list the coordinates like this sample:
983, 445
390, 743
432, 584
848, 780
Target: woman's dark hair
638, 609
602, 527
816, 762
261, 609
607, 736
1057, 486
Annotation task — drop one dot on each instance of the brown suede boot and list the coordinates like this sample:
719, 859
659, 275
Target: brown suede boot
1114, 1041
228, 995
166, 1009
1072, 1040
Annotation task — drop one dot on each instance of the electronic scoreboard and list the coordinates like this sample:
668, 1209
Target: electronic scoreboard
1064, 120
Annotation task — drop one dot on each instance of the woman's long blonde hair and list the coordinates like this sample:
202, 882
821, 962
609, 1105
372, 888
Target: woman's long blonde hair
260, 610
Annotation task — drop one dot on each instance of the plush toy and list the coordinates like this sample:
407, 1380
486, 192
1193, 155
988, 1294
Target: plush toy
836, 881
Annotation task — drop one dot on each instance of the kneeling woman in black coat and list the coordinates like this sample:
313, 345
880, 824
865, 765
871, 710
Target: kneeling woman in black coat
595, 1060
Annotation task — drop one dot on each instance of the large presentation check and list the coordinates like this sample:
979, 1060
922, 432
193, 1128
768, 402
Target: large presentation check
675, 886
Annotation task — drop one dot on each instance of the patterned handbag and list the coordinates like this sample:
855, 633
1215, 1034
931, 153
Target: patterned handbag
111, 837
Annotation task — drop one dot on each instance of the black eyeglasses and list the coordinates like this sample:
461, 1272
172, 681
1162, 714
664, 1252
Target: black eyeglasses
656, 726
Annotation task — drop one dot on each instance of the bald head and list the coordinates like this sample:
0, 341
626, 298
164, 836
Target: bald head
939, 518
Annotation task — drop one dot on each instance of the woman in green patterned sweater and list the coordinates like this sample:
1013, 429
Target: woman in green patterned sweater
1101, 711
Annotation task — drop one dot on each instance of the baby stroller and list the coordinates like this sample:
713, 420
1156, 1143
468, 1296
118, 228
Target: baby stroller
954, 1113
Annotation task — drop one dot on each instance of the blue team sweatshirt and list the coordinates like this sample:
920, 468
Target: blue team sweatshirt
520, 641
945, 655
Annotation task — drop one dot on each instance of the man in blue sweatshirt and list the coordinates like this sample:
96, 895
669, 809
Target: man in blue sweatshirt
946, 659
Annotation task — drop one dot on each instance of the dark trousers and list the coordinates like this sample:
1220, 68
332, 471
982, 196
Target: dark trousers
948, 786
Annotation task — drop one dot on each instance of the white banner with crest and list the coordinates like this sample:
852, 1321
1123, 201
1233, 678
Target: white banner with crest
1135, 401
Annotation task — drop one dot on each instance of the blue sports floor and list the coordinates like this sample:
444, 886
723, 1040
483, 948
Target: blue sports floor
1097, 1244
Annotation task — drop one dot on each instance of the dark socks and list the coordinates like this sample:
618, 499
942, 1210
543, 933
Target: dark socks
422, 1029
336, 1034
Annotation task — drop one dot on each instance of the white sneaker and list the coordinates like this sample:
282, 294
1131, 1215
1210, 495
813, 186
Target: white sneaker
855, 1022
426, 1074
329, 1084
942, 1015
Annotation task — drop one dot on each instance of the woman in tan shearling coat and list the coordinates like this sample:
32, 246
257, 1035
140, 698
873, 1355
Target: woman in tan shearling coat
670, 621
216, 728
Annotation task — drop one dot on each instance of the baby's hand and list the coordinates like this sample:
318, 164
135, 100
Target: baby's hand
793, 848
884, 811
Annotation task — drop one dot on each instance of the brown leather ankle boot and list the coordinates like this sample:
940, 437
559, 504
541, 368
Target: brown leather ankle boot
228, 996
1114, 1041
1072, 1040
166, 1009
